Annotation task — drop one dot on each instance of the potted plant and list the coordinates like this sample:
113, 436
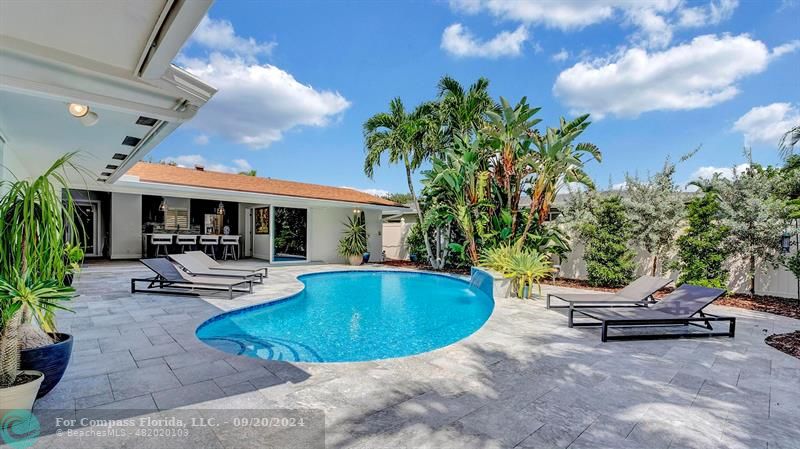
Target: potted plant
523, 267
353, 243
74, 256
23, 301
41, 246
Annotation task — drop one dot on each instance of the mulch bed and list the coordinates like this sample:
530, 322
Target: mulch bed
788, 343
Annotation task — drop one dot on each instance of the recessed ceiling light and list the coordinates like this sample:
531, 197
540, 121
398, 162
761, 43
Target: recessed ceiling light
78, 110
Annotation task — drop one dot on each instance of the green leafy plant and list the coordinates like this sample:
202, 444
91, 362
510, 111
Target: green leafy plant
701, 256
415, 243
37, 224
525, 267
23, 299
609, 258
354, 238
793, 264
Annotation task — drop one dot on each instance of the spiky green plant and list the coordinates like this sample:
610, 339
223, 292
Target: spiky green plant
19, 296
39, 236
354, 238
525, 267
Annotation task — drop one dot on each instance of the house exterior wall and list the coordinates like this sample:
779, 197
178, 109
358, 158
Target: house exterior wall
773, 281
126, 226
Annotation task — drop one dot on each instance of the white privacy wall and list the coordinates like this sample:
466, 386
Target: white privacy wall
773, 281
394, 240
325, 225
126, 226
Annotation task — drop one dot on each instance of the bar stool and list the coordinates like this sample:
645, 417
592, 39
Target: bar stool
210, 242
230, 242
186, 240
161, 241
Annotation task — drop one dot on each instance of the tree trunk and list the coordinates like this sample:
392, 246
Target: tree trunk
655, 265
431, 260
752, 275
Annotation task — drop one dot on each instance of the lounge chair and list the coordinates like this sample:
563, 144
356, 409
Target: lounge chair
684, 306
637, 294
194, 266
169, 276
216, 266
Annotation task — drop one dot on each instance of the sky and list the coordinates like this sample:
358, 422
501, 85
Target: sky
660, 78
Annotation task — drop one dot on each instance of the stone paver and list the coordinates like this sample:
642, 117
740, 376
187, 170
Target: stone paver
523, 380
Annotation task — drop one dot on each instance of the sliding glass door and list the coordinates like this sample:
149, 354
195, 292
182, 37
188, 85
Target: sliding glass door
289, 243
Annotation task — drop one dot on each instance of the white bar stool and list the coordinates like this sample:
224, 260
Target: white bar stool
186, 240
161, 241
210, 242
230, 243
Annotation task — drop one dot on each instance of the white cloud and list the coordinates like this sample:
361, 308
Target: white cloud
561, 56
191, 160
459, 41
201, 139
653, 20
708, 172
255, 102
767, 124
698, 74
218, 34
789, 47
376, 192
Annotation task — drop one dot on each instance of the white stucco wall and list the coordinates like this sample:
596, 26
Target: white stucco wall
126, 226
324, 230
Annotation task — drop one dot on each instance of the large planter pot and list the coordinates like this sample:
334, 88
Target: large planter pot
52, 360
356, 259
366, 257
21, 397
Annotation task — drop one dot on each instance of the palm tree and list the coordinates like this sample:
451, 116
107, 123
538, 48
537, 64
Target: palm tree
252, 172
407, 138
462, 111
788, 142
556, 161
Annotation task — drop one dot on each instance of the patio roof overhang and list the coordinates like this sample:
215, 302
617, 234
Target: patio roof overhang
112, 56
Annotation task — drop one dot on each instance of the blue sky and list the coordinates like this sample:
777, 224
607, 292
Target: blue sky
660, 77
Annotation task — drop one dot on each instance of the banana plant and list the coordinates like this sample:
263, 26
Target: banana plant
556, 162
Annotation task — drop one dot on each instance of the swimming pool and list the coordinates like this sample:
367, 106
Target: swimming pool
350, 316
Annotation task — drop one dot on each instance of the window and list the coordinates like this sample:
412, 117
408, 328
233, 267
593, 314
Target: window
176, 218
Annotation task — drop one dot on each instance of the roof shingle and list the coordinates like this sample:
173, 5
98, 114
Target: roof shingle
170, 174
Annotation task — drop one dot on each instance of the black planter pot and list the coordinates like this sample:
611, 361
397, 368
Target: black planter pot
366, 257
52, 360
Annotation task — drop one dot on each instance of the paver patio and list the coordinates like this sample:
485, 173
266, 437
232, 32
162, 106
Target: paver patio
523, 380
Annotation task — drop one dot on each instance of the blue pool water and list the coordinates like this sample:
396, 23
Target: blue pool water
354, 316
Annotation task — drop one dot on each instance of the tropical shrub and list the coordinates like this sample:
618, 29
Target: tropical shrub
655, 209
354, 238
756, 219
415, 243
701, 257
608, 255
524, 267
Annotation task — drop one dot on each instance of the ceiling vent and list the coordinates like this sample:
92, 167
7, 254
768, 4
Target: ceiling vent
111, 167
131, 141
119, 156
146, 121
105, 173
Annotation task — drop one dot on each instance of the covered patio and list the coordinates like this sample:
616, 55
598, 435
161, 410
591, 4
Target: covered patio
523, 380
